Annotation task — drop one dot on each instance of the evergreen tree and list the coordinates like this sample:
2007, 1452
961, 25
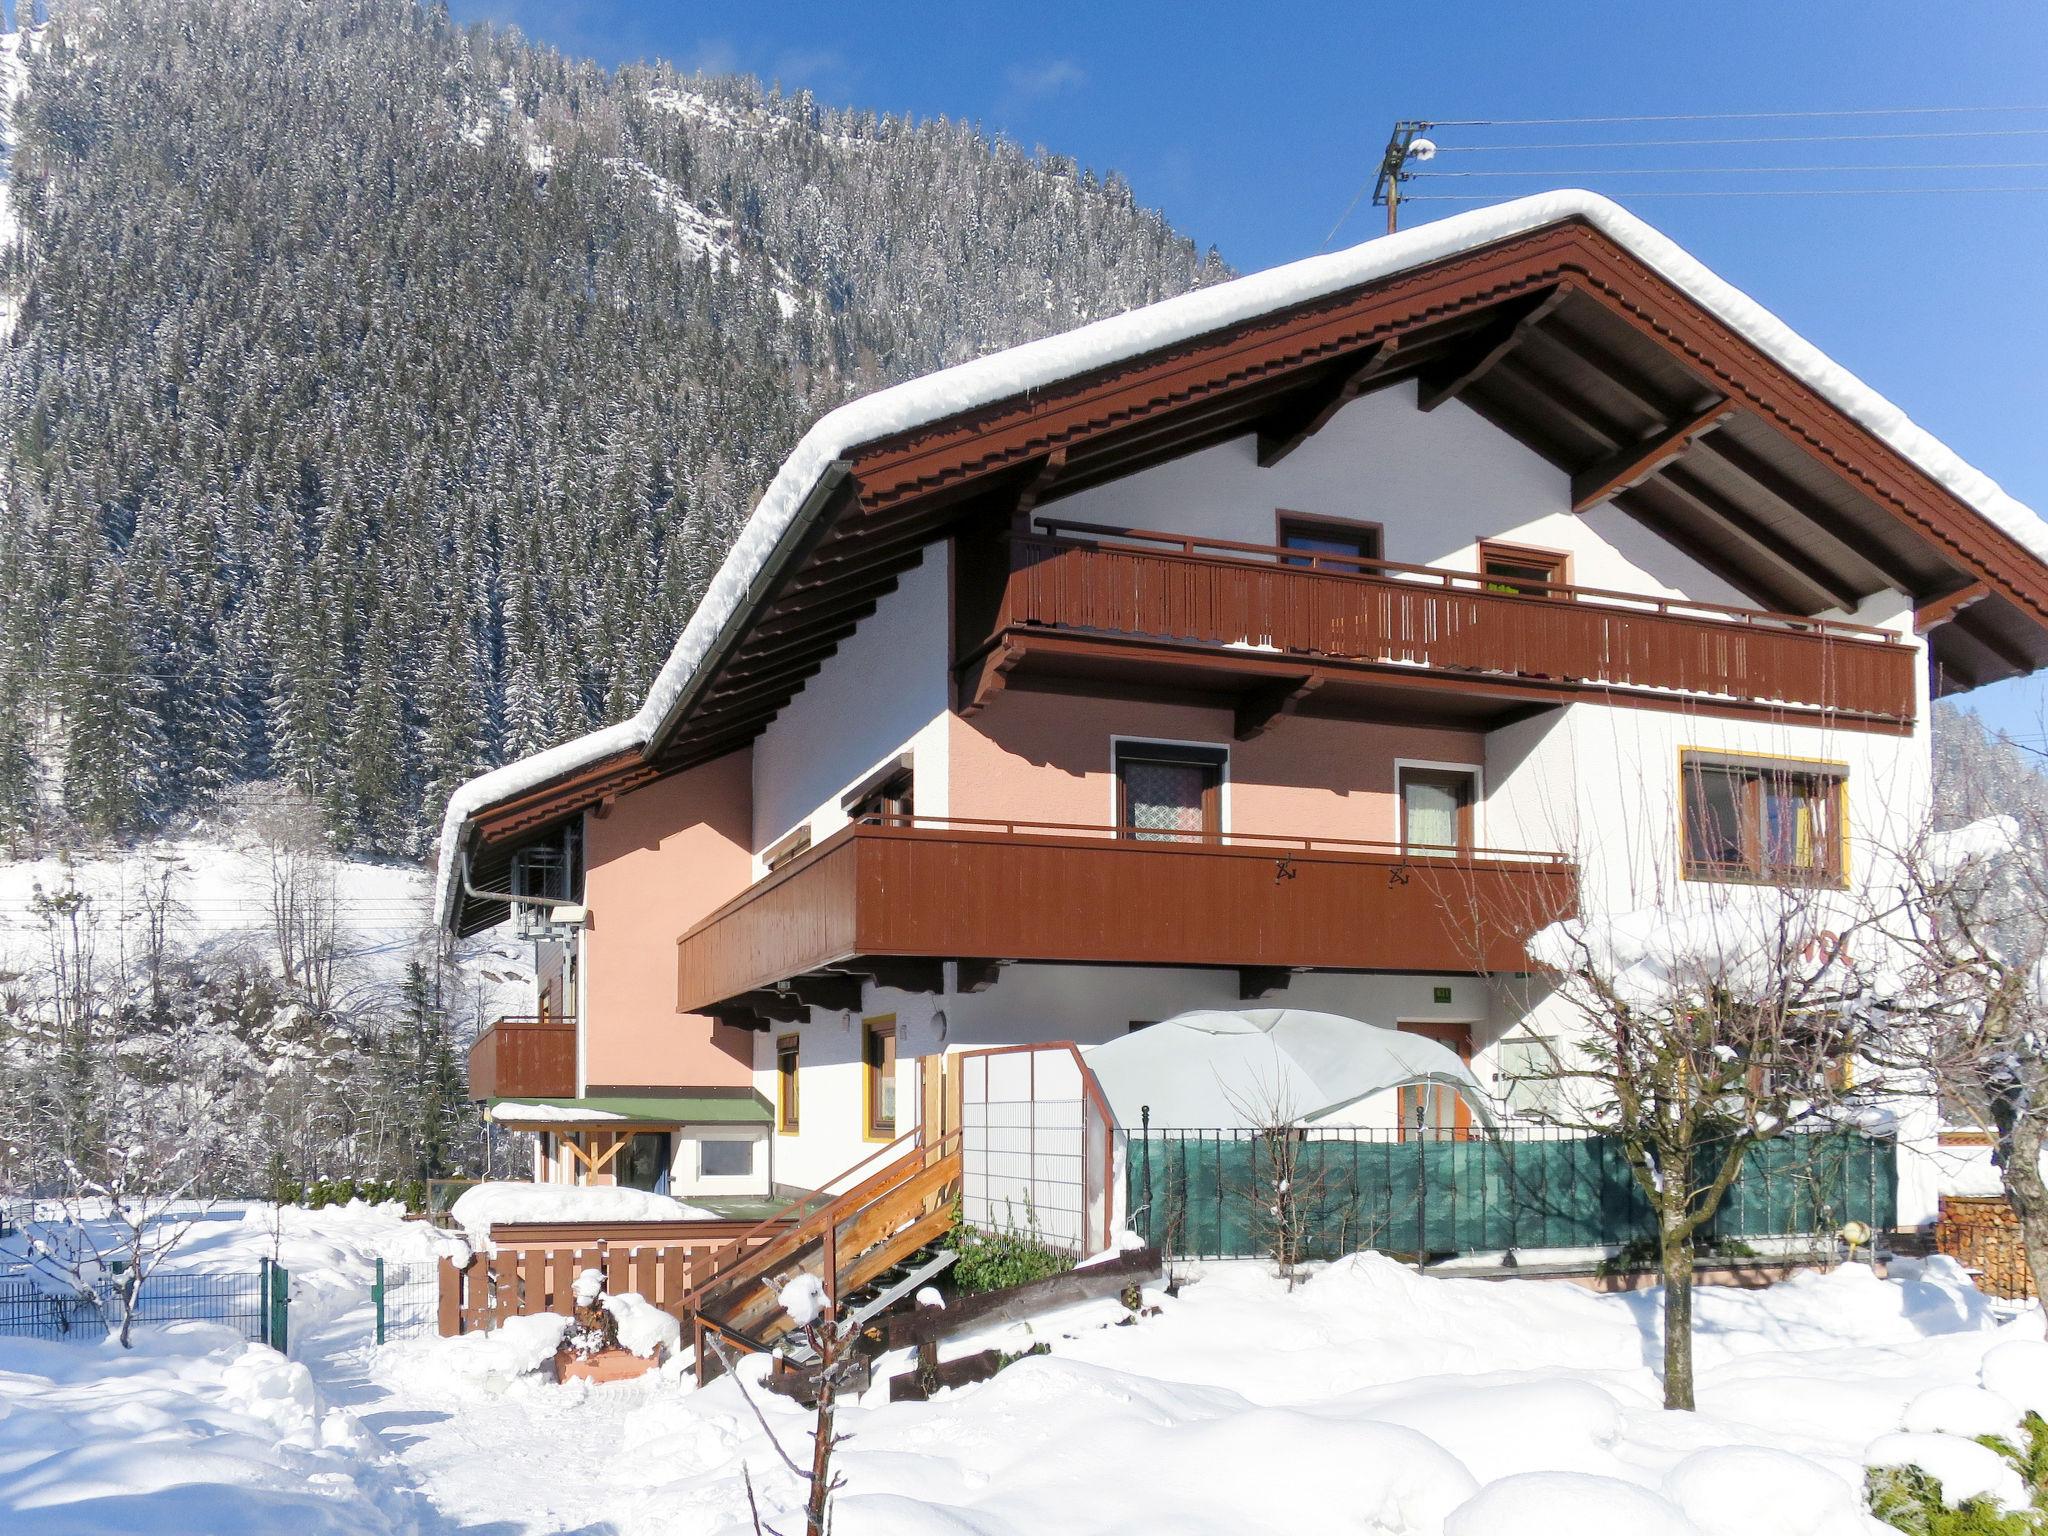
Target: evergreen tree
375, 378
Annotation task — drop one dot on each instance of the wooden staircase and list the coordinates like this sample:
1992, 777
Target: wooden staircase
854, 1241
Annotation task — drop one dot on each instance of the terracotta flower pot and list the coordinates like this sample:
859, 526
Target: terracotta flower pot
605, 1365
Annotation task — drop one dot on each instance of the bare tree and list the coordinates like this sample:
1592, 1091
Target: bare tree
305, 919
120, 1227
831, 1340
1967, 1010
1709, 1023
1284, 1184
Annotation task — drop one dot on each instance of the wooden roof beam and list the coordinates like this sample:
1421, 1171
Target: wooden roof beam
796, 620
1747, 529
1708, 555
1036, 486
1518, 320
1617, 376
1935, 612
2021, 663
1635, 463
1291, 428
778, 687
1259, 709
1799, 501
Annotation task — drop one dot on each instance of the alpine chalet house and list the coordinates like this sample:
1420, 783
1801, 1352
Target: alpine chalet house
1306, 641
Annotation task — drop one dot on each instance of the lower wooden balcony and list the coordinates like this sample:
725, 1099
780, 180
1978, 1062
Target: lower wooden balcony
891, 899
524, 1059
1097, 608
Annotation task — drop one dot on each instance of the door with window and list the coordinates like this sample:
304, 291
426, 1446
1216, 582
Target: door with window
1428, 1112
1436, 809
1168, 793
644, 1162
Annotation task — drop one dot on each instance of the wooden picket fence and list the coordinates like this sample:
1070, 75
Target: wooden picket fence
536, 1264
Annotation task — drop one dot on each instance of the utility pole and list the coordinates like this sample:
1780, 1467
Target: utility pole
1403, 144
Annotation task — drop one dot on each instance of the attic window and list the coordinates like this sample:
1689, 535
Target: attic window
1314, 536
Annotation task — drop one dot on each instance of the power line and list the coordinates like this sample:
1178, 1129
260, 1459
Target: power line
1717, 117
1482, 197
1739, 170
1765, 138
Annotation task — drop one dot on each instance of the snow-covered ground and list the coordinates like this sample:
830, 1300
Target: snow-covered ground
1368, 1400
219, 892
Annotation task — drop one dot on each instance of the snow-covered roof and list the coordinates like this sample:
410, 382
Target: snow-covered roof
1037, 364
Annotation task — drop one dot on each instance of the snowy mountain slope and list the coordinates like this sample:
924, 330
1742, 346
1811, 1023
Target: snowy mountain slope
409, 440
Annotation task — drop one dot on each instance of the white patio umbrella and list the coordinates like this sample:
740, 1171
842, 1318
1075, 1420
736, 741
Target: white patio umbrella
1224, 1070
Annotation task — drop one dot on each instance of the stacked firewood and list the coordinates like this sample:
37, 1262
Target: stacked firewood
1981, 1233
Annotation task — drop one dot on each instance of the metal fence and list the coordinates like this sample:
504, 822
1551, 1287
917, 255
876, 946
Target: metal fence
250, 1303
406, 1300
1212, 1194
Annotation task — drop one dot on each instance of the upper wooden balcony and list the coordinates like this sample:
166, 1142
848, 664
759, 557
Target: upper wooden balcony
1264, 628
890, 898
524, 1059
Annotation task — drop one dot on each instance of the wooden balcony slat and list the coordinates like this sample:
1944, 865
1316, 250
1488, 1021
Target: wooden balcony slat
1445, 622
524, 1059
931, 889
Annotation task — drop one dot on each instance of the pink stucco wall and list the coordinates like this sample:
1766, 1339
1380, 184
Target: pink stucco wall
664, 857
1049, 757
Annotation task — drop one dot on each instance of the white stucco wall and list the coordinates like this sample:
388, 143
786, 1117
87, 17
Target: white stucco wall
884, 691
1438, 482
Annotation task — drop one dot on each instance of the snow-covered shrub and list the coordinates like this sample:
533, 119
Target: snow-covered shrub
1946, 1485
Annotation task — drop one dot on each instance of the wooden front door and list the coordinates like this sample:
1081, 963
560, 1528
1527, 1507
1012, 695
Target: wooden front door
1430, 1113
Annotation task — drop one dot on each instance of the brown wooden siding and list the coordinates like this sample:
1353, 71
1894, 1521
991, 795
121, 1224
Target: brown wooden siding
1081, 895
524, 1058
1444, 622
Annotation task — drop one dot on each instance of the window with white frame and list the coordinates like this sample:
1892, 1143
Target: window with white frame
1526, 1077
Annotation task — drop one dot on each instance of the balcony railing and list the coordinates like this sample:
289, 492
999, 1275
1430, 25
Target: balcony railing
936, 888
524, 1059
1419, 623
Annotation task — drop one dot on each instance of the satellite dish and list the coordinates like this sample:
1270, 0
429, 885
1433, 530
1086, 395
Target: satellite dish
1422, 150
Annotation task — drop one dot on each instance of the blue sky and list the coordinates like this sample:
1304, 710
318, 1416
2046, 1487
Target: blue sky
1252, 126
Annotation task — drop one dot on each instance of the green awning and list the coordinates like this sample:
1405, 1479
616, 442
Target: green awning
619, 1111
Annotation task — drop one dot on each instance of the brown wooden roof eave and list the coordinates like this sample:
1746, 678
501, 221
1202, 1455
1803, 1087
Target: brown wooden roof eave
1261, 358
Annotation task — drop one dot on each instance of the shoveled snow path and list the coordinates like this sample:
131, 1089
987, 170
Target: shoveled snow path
532, 1458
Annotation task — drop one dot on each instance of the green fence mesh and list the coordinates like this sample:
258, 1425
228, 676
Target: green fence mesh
1206, 1194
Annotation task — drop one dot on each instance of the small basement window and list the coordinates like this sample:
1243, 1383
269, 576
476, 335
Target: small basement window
1763, 820
725, 1158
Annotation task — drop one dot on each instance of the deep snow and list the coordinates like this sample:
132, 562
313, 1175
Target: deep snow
1370, 1400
